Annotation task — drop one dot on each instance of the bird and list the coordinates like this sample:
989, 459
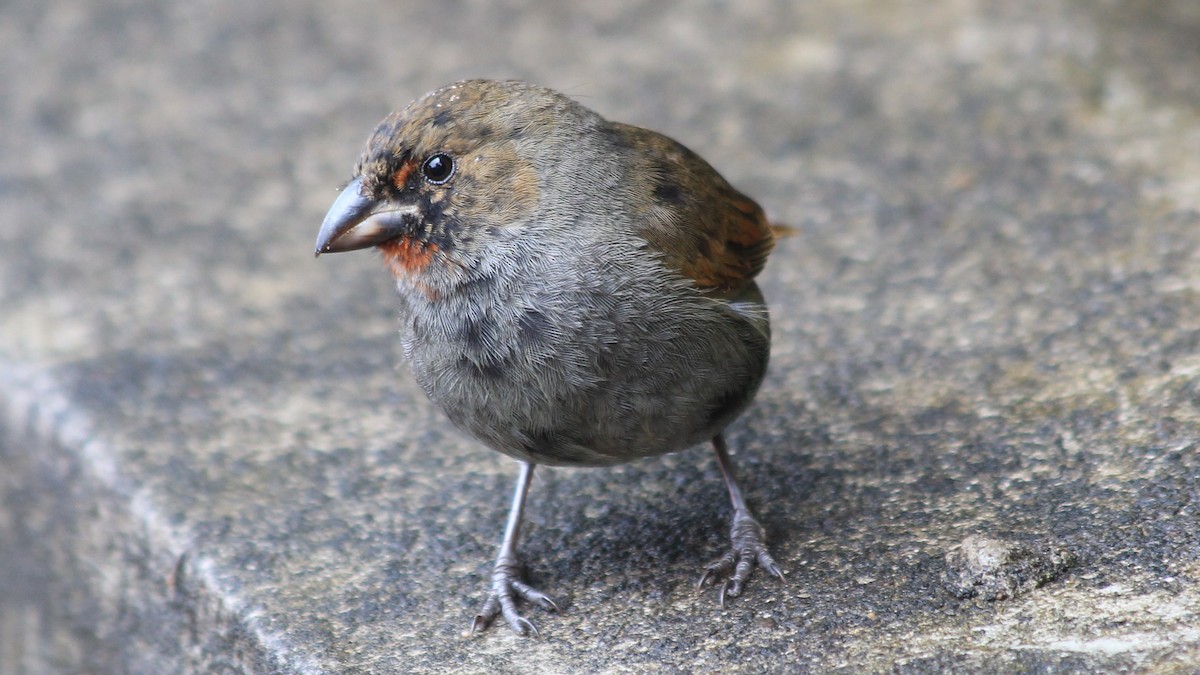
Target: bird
573, 292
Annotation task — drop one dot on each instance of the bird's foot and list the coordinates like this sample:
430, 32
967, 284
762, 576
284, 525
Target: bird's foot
748, 549
506, 587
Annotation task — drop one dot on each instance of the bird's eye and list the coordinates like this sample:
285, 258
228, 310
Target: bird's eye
438, 168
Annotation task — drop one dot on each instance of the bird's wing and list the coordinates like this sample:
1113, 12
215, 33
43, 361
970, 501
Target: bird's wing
693, 218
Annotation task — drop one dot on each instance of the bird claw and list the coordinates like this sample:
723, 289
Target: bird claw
506, 588
748, 549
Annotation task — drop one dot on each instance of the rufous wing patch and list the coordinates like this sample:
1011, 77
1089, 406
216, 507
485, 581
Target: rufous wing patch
700, 225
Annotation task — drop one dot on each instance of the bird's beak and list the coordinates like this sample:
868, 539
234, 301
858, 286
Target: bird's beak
355, 221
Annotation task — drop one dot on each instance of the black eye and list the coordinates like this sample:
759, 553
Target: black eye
438, 168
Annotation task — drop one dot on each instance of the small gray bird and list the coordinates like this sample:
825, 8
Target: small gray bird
573, 291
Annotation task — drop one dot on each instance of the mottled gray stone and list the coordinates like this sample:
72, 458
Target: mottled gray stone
212, 459
999, 569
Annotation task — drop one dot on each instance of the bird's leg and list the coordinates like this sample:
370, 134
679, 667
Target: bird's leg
506, 575
748, 541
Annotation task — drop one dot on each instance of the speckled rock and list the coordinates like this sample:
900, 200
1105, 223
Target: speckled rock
213, 460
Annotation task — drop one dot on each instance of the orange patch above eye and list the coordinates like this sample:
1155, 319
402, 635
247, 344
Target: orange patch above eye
400, 177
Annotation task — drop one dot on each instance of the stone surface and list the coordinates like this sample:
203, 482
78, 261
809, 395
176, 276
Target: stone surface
998, 569
213, 460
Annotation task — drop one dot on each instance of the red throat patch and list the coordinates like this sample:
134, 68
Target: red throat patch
406, 256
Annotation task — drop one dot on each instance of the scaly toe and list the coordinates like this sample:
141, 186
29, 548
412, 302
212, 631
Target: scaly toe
747, 551
715, 569
502, 601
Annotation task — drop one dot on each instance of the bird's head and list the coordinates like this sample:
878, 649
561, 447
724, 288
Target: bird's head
454, 169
